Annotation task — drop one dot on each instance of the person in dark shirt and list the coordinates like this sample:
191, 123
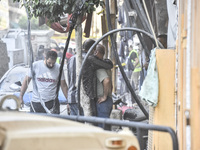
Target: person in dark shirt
71, 75
92, 64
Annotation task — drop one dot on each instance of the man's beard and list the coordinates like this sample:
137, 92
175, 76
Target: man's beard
49, 66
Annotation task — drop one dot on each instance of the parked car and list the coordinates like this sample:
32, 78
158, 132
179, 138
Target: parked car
10, 84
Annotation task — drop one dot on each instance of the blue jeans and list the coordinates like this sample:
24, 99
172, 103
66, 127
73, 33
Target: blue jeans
74, 109
104, 110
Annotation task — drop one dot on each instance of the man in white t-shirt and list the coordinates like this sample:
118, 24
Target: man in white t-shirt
46, 74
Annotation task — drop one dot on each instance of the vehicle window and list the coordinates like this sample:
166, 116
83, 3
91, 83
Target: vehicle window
15, 75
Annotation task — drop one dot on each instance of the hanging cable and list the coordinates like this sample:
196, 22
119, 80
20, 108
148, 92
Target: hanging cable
100, 39
119, 63
141, 14
31, 62
145, 8
72, 22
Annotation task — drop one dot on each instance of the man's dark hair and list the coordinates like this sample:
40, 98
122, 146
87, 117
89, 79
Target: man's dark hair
87, 44
51, 54
100, 48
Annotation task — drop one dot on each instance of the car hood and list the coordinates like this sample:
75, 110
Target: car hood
21, 131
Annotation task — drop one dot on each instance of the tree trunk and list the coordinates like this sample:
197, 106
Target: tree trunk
84, 100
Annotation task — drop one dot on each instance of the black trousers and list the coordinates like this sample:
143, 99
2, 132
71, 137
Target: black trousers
93, 106
38, 108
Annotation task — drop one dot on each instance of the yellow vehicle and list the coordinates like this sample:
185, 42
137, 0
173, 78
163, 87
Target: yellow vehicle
23, 131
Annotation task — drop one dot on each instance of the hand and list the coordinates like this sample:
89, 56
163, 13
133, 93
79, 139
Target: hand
101, 99
22, 104
146, 66
68, 109
21, 101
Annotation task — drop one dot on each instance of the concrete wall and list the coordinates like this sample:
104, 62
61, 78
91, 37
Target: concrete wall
4, 59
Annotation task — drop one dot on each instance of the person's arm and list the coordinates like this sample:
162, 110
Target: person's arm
145, 66
130, 64
64, 87
106, 90
136, 61
24, 87
99, 63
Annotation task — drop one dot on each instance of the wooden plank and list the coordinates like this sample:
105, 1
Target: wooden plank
181, 77
165, 110
195, 107
195, 76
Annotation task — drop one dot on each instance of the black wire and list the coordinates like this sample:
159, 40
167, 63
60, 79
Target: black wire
31, 55
63, 59
72, 22
119, 63
100, 39
141, 14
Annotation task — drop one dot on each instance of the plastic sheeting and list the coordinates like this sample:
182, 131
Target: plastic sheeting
150, 86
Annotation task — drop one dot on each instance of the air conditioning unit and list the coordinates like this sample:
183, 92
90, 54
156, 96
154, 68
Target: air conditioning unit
16, 57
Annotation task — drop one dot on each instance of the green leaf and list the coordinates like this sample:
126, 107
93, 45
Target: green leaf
53, 9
